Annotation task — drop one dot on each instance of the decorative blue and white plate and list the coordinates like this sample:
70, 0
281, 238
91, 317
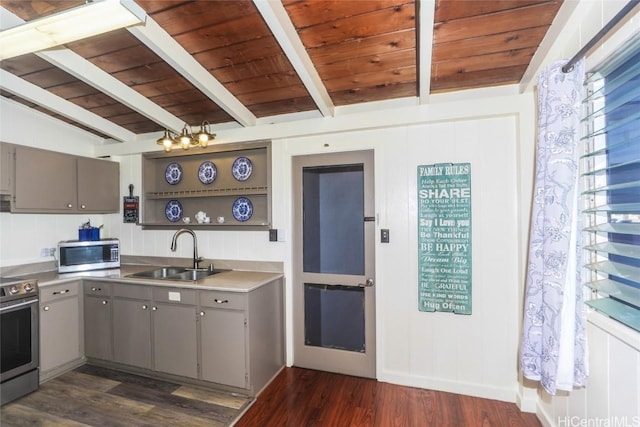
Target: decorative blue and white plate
207, 172
173, 210
242, 168
173, 173
242, 209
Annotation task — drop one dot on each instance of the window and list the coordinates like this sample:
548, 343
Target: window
611, 184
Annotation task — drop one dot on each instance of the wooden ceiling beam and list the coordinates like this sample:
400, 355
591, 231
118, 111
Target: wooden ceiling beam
287, 37
167, 48
26, 90
84, 70
425, 10
80, 68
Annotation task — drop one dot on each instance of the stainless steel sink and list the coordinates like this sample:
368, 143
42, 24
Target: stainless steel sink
192, 274
176, 273
159, 273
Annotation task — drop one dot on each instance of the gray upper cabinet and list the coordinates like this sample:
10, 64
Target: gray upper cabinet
44, 181
51, 182
6, 168
98, 185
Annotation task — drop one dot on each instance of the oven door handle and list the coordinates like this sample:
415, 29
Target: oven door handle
11, 307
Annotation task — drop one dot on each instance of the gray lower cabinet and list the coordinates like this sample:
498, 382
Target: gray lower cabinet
242, 336
175, 342
60, 328
223, 333
132, 325
235, 339
98, 340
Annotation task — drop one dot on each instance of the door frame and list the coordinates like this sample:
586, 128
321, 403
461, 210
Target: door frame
327, 359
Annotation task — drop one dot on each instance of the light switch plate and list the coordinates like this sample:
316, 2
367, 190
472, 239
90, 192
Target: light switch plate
273, 235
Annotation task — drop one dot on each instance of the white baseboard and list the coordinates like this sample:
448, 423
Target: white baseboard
505, 394
527, 400
545, 418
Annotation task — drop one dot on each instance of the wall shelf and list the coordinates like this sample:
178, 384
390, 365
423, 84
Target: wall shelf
215, 198
208, 193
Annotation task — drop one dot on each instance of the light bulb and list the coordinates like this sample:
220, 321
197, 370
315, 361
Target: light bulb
203, 137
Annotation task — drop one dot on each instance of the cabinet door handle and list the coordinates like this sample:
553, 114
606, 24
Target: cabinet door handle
46, 308
94, 289
220, 301
202, 314
145, 306
61, 292
69, 205
105, 302
154, 308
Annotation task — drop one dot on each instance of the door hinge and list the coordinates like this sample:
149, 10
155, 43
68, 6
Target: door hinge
245, 322
246, 380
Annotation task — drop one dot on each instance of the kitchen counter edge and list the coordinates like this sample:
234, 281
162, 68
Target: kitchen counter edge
228, 281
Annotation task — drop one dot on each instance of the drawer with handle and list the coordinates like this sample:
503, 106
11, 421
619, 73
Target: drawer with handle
97, 288
227, 300
56, 292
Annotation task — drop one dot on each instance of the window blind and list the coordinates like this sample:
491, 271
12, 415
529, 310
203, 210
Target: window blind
611, 186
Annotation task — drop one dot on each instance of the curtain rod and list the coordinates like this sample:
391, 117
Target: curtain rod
614, 21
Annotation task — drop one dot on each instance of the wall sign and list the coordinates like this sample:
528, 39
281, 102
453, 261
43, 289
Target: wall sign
130, 207
444, 237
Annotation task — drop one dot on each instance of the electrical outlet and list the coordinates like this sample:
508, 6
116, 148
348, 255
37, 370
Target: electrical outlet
384, 235
47, 252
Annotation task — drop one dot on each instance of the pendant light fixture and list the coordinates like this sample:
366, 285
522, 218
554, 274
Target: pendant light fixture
187, 138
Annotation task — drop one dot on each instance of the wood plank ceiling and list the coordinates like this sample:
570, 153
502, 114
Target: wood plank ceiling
236, 61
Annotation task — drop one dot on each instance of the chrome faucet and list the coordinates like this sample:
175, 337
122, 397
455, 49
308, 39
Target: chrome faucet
196, 258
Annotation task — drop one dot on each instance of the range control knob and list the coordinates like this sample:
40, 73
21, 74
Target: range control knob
28, 287
14, 290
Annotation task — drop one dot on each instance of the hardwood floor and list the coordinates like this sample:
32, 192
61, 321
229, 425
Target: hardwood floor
300, 397
94, 396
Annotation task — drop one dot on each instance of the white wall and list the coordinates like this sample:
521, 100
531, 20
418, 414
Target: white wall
612, 394
22, 236
490, 129
473, 354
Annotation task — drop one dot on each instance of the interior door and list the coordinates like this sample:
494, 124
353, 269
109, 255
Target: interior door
333, 283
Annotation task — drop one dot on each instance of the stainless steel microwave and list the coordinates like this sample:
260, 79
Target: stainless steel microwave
85, 255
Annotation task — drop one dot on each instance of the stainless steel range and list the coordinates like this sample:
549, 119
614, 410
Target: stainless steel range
19, 341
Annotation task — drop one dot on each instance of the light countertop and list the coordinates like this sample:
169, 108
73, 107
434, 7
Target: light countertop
229, 281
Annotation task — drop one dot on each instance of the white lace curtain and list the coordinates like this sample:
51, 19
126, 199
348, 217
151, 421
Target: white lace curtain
553, 348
